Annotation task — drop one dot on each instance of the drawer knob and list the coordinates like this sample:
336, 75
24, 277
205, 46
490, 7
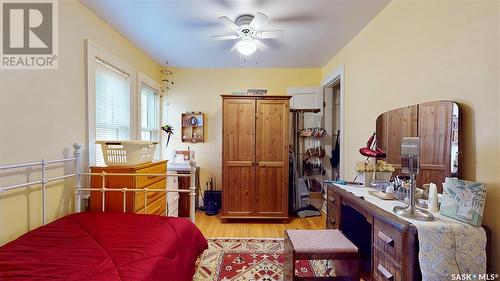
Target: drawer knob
387, 275
384, 237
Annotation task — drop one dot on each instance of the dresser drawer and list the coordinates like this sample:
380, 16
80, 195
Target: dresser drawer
388, 239
158, 206
155, 206
151, 196
384, 269
143, 181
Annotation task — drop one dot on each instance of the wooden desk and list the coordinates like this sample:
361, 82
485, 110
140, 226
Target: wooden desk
388, 244
185, 183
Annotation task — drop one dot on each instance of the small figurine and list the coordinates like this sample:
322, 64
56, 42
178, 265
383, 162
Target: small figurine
169, 130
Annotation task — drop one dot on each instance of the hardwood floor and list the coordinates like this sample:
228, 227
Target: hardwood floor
212, 227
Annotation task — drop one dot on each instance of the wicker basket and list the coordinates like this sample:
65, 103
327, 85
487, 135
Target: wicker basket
127, 153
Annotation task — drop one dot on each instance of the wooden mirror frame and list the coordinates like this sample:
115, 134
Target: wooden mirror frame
438, 125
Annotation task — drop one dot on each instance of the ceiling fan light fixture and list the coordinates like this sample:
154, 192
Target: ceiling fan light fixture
246, 47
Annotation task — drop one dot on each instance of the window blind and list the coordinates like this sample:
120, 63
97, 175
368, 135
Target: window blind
112, 94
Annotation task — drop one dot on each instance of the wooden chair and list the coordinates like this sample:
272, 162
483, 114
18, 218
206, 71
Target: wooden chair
321, 245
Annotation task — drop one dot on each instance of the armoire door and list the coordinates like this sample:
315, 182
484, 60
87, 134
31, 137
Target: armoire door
238, 157
271, 198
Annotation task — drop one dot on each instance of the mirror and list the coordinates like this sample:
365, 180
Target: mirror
437, 124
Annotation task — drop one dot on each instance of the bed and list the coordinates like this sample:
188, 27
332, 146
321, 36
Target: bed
100, 245
105, 246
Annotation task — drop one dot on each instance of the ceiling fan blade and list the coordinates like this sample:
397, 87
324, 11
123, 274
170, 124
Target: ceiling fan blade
229, 23
260, 46
225, 37
258, 21
234, 47
271, 34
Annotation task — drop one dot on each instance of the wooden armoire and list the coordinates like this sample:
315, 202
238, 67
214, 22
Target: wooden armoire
255, 157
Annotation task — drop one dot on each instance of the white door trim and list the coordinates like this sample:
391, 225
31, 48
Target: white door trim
335, 76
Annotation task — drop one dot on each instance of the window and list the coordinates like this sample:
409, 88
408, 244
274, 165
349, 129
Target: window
110, 100
112, 105
122, 104
149, 113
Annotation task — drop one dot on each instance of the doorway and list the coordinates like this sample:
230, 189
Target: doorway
333, 118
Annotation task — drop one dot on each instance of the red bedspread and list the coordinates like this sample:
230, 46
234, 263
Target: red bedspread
105, 246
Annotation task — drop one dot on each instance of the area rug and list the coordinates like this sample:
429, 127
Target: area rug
255, 259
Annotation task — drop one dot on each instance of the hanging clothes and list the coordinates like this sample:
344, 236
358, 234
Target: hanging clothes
293, 178
335, 160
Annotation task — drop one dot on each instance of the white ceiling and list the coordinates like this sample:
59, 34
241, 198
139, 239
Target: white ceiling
179, 31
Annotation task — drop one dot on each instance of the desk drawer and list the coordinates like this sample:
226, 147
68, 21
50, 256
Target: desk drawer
333, 198
143, 181
331, 217
330, 194
384, 269
388, 239
333, 210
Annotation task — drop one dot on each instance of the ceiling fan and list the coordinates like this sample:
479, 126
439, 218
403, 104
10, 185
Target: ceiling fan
247, 30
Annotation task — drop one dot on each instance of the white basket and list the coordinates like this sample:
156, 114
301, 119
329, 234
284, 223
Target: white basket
127, 153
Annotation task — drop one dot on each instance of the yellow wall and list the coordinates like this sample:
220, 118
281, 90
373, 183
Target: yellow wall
42, 112
416, 51
200, 90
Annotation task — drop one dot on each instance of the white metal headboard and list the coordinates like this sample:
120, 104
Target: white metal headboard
79, 189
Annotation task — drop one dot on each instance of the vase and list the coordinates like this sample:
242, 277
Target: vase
385, 176
366, 178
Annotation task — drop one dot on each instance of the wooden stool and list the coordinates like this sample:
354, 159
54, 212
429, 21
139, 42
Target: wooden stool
321, 245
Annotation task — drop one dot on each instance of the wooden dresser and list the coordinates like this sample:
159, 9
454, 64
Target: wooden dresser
135, 200
388, 244
255, 136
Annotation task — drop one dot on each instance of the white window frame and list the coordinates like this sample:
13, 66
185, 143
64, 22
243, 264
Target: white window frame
143, 79
93, 51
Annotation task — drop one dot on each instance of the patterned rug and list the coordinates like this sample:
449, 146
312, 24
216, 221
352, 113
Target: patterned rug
228, 259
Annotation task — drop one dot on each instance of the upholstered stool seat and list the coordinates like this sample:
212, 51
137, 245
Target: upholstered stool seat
321, 245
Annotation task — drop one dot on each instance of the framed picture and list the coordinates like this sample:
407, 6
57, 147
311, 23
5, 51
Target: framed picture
256, 92
463, 200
